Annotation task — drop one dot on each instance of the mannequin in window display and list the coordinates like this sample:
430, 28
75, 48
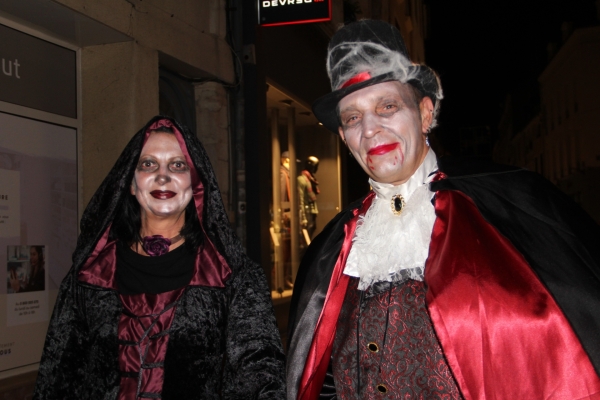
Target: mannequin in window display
285, 196
308, 189
284, 182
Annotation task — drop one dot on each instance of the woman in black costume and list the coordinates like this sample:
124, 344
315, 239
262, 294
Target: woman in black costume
161, 301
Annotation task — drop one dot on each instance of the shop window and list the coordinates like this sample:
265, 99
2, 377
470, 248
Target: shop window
305, 186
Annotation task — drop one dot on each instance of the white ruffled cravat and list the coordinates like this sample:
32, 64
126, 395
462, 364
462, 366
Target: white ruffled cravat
388, 247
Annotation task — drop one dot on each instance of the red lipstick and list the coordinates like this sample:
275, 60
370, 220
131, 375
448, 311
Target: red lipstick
162, 194
384, 148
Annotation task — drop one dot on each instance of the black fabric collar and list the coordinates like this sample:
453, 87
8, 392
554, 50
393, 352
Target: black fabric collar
141, 274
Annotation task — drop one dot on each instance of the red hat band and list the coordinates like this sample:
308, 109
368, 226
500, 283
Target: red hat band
361, 77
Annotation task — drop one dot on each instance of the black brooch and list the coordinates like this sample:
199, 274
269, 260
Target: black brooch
397, 204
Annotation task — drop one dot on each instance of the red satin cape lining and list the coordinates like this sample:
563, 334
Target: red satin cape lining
502, 332
317, 361
211, 269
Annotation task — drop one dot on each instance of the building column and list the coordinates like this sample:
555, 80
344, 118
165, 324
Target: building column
212, 128
120, 94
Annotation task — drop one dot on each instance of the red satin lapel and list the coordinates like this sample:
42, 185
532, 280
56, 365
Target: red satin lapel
502, 333
99, 269
317, 361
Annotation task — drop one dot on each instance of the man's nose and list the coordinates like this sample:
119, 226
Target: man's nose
371, 124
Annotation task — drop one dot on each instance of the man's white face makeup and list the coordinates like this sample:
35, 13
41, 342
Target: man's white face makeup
162, 183
385, 130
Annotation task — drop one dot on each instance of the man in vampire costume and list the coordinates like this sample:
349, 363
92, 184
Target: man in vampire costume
447, 280
195, 322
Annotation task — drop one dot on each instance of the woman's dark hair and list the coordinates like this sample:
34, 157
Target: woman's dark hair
128, 223
40, 252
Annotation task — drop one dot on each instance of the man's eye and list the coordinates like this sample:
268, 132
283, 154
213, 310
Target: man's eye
351, 119
389, 108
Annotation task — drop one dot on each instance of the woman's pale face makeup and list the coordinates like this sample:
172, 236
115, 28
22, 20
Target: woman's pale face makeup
385, 130
162, 183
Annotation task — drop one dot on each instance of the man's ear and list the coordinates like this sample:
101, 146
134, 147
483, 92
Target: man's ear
341, 132
426, 108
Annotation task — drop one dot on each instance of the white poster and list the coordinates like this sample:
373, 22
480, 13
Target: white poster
10, 216
38, 176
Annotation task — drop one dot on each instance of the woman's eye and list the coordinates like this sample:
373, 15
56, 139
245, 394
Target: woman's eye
147, 165
179, 166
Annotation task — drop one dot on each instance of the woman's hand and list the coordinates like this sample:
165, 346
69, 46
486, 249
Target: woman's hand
15, 284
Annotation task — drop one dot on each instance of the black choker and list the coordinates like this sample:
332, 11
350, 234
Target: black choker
157, 245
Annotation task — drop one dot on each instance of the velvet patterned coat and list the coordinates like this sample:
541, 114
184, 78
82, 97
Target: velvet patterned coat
513, 289
224, 342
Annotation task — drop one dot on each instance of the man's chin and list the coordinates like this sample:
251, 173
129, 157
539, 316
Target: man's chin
393, 177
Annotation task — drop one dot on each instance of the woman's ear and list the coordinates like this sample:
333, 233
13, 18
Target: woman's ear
132, 187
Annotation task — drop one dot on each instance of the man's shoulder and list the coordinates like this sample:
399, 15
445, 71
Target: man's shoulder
457, 167
510, 196
466, 174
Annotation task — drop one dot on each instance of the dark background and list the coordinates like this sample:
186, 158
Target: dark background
484, 50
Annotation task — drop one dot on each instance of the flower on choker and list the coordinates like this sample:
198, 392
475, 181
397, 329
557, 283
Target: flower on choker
156, 245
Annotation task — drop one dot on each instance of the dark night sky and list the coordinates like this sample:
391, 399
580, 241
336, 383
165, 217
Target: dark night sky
484, 49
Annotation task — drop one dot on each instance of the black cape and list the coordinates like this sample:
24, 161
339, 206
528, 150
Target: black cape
224, 342
557, 238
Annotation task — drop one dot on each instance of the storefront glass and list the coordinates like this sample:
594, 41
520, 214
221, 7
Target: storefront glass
306, 186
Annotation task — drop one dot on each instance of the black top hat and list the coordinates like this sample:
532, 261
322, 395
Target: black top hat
363, 54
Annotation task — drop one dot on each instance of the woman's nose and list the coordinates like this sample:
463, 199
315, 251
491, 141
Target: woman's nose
162, 179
